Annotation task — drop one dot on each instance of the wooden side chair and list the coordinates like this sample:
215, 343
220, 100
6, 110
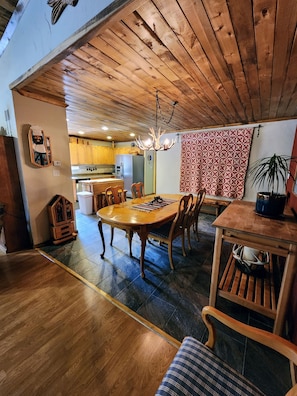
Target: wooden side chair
197, 371
115, 195
137, 190
193, 215
168, 232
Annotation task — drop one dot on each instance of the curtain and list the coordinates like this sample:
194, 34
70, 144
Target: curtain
215, 160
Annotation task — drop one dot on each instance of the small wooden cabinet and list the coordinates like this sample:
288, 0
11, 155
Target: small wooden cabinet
61, 217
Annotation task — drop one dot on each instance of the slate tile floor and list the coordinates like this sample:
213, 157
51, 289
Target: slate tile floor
172, 300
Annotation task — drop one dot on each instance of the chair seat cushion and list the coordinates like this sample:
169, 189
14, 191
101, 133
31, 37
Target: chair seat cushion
196, 370
162, 231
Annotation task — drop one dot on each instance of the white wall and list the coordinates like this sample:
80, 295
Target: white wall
274, 137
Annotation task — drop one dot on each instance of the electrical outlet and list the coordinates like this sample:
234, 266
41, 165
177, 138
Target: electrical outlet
57, 163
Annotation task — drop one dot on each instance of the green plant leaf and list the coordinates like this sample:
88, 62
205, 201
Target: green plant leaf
272, 171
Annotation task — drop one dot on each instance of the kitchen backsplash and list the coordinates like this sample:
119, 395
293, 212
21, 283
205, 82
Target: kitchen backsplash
90, 169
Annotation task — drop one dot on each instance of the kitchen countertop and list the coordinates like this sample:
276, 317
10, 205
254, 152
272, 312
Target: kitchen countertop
90, 176
103, 180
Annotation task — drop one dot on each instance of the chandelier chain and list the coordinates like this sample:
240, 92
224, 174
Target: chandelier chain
158, 109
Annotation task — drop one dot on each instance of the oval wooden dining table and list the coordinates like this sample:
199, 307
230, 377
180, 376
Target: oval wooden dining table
133, 216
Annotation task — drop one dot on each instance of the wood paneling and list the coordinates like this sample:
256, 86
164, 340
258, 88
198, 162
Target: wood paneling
7, 8
225, 62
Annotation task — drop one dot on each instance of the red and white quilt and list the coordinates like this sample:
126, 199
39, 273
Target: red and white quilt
215, 160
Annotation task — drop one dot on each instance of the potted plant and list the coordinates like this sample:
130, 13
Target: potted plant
273, 173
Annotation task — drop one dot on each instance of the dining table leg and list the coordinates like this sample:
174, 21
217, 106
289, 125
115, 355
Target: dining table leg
102, 238
143, 237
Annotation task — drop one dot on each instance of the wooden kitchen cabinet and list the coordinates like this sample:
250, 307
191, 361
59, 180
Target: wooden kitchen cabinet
103, 155
74, 148
80, 153
84, 152
16, 235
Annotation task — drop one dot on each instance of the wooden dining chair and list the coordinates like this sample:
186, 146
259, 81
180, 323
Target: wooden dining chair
193, 215
168, 232
196, 370
115, 195
137, 190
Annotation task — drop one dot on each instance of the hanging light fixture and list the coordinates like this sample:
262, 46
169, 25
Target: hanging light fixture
154, 143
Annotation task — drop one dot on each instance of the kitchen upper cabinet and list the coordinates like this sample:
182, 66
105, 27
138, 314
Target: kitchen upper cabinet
103, 155
83, 152
73, 153
80, 152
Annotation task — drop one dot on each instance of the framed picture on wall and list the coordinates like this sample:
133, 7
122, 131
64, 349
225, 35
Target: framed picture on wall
40, 147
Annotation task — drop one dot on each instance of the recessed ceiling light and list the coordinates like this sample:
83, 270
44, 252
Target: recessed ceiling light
132, 134
109, 137
105, 128
81, 132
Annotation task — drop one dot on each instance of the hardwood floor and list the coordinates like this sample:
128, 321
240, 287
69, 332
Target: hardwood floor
60, 335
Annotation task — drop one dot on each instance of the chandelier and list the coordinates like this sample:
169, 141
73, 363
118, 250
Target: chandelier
153, 143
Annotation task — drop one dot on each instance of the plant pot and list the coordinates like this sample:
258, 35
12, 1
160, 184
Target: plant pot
270, 205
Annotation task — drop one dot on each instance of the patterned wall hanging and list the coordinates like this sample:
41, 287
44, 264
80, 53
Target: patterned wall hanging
216, 160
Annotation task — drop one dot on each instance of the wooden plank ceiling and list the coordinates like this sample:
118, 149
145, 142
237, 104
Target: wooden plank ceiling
7, 8
226, 62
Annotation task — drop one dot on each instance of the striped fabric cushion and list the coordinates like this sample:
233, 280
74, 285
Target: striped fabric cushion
195, 370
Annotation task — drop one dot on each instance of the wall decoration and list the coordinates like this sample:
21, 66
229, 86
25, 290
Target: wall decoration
216, 160
59, 6
40, 147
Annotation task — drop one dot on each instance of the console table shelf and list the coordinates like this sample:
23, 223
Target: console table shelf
239, 224
253, 292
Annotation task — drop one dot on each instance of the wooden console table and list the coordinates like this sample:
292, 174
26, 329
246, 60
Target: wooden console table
239, 224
